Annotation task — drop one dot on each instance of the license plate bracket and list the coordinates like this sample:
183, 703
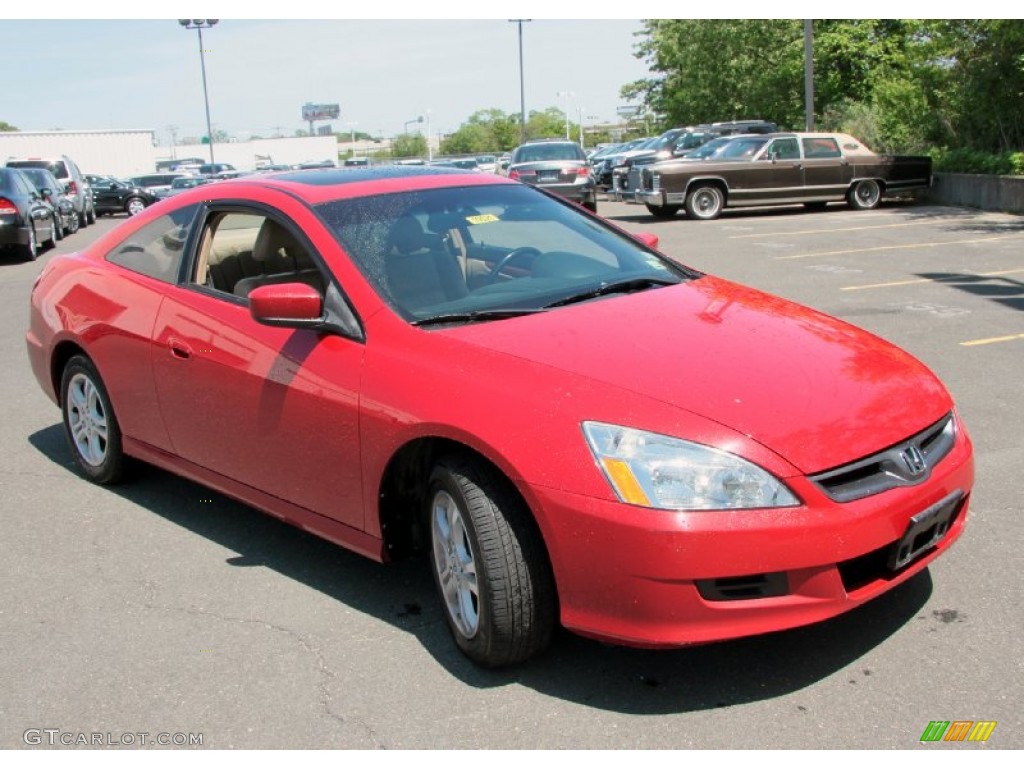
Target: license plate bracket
924, 531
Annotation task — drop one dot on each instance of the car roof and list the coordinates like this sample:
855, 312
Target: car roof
322, 185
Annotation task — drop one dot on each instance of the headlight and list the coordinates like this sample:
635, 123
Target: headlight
662, 472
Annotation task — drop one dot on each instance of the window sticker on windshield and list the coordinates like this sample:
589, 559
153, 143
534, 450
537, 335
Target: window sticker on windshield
483, 218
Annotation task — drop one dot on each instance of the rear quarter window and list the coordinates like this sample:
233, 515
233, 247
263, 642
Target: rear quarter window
157, 249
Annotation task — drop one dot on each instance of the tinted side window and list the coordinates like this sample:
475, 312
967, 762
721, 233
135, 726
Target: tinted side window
785, 149
821, 147
156, 249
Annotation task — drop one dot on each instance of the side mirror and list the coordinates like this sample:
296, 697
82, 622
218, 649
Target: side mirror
67, 189
46, 192
647, 238
286, 305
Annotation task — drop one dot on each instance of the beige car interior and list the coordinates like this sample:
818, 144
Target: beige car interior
240, 252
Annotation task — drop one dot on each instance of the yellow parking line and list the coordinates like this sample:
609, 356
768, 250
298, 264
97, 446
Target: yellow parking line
993, 340
843, 229
944, 278
896, 247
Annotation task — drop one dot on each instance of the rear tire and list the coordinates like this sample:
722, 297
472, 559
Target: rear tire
58, 228
489, 564
90, 215
30, 251
591, 206
89, 422
864, 195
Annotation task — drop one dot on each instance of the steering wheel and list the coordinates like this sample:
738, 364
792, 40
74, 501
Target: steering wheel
510, 256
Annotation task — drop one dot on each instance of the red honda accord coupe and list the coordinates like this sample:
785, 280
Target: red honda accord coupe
575, 428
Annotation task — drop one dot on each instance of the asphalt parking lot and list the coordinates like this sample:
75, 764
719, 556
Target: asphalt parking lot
162, 607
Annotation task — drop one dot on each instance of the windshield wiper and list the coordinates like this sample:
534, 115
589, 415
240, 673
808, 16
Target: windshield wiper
618, 286
475, 316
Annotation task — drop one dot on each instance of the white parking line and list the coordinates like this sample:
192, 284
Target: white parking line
841, 229
898, 247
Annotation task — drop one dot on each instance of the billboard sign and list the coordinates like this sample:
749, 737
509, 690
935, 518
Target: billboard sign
312, 112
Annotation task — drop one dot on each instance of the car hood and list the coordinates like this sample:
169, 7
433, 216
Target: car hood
813, 389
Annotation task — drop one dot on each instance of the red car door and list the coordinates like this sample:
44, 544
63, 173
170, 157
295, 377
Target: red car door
273, 408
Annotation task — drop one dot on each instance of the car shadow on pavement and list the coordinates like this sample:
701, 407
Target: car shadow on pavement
638, 214
574, 668
998, 288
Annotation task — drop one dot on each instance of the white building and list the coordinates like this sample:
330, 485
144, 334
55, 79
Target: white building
129, 152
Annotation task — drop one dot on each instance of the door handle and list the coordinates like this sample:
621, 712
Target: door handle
179, 349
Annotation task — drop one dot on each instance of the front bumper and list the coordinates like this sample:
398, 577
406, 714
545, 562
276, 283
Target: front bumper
653, 578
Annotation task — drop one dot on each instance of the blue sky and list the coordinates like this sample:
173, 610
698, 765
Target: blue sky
91, 74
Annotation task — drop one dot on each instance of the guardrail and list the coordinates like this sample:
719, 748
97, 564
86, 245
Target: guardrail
989, 193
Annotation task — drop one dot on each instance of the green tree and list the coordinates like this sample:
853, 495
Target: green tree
409, 145
7, 127
899, 84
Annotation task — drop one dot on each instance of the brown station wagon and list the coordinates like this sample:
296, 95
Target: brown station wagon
780, 169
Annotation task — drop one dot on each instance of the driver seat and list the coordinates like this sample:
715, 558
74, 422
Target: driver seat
418, 275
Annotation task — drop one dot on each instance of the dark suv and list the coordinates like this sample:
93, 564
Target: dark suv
558, 166
67, 173
111, 195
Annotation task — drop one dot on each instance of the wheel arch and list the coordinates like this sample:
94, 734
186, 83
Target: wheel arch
62, 353
855, 181
401, 494
716, 181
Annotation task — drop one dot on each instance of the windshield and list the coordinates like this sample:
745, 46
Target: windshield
741, 149
493, 250
710, 149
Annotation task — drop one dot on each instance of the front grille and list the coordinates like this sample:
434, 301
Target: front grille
649, 180
908, 463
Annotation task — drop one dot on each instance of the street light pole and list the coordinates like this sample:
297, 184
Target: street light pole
430, 152
568, 95
352, 128
522, 85
199, 25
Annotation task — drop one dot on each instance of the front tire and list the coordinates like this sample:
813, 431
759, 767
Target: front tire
662, 211
864, 195
489, 564
705, 202
89, 422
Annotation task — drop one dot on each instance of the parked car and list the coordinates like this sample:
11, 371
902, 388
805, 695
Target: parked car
781, 169
213, 169
185, 182
604, 167
676, 142
570, 425
27, 221
67, 172
356, 162
487, 163
157, 184
115, 196
558, 166
65, 219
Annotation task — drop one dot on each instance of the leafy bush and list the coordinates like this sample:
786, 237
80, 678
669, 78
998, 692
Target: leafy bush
964, 160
